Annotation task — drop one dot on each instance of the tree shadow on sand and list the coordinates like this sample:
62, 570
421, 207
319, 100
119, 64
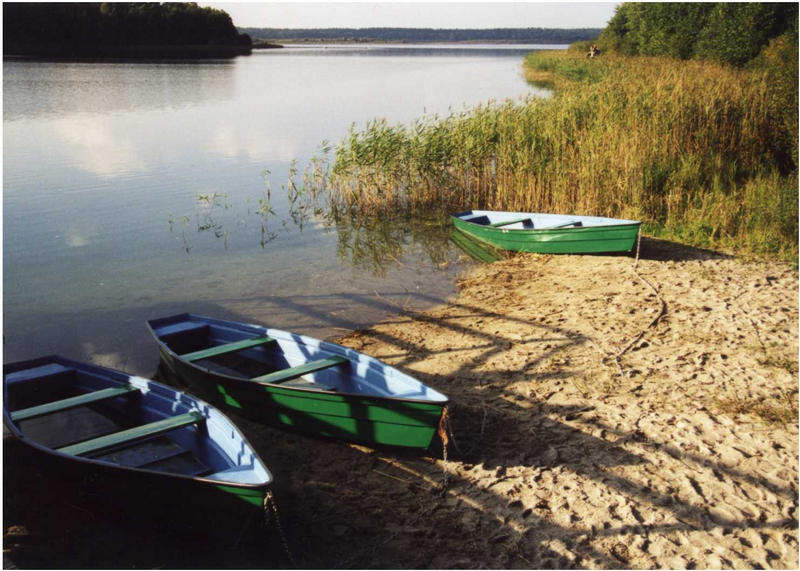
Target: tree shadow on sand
393, 502
347, 506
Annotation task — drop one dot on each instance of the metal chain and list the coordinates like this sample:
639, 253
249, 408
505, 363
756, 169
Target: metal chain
269, 502
615, 358
654, 322
443, 426
444, 468
638, 243
450, 433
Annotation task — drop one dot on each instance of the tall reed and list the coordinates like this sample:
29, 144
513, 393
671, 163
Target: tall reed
698, 151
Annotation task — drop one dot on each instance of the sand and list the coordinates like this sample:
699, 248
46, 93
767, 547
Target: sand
601, 417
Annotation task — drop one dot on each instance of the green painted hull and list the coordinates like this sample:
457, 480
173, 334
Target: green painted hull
580, 240
363, 419
165, 504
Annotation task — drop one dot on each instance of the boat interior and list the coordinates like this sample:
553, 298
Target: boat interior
111, 417
274, 357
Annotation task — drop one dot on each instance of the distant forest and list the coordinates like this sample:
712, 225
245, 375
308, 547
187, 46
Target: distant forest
513, 35
94, 27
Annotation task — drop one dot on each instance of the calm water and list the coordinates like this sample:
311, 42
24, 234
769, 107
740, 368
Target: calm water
132, 191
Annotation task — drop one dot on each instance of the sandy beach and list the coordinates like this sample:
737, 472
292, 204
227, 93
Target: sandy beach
603, 415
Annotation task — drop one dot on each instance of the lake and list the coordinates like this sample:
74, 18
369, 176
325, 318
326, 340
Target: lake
138, 190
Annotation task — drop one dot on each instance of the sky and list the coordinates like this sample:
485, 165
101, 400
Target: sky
417, 14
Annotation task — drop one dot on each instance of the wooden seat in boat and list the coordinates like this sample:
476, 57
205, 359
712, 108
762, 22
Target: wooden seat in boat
132, 434
294, 372
515, 221
72, 402
226, 348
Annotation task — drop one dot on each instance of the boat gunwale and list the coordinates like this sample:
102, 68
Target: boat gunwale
291, 389
17, 433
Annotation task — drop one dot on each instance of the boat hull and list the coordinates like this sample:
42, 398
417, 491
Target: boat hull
581, 240
361, 418
165, 504
373, 421
127, 474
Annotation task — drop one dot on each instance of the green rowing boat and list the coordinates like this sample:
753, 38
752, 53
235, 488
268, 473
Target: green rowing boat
548, 233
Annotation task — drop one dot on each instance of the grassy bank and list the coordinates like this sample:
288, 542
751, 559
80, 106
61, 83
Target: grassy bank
701, 153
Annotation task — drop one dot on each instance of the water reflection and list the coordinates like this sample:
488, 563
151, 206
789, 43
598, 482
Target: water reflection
40, 88
477, 251
97, 145
371, 244
77, 236
543, 84
207, 204
132, 190
300, 204
376, 244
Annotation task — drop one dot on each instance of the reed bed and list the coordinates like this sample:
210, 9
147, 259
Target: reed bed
699, 152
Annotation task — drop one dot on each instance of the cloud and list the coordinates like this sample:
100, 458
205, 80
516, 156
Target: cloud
75, 238
96, 144
255, 144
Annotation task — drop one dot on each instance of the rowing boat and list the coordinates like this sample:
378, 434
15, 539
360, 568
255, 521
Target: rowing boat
132, 440
298, 382
548, 233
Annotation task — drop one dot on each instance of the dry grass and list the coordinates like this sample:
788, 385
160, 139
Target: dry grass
782, 410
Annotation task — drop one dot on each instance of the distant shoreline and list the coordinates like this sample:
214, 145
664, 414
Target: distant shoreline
354, 42
422, 35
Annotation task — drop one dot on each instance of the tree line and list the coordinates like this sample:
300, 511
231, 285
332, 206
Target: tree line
732, 33
79, 24
514, 35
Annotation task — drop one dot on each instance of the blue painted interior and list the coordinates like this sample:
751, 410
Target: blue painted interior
363, 375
